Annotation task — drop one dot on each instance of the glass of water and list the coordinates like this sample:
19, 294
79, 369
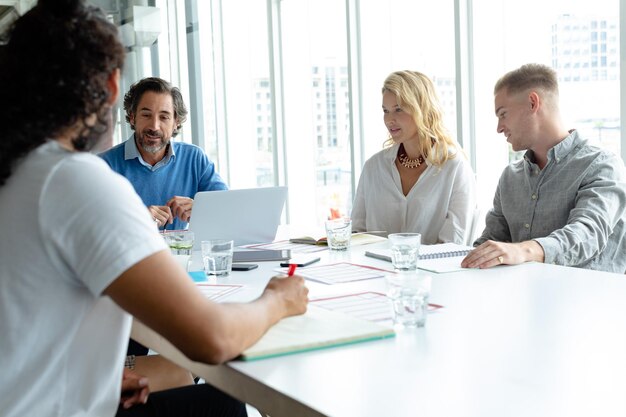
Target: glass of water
405, 250
217, 256
338, 233
409, 292
179, 241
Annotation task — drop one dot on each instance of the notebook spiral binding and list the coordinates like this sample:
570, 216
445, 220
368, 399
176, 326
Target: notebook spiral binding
448, 254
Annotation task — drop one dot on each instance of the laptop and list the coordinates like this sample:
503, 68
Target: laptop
246, 216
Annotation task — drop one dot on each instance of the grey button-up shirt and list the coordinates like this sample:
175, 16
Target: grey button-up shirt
574, 208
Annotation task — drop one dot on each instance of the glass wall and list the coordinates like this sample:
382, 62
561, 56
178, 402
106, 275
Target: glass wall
320, 110
398, 35
316, 108
579, 39
234, 58
287, 92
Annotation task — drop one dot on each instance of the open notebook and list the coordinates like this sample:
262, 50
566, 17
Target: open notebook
357, 238
317, 329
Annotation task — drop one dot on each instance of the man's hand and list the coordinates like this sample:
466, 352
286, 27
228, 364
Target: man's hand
181, 207
162, 215
134, 389
493, 253
291, 291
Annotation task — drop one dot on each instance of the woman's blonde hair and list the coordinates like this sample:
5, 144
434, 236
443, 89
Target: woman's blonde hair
415, 94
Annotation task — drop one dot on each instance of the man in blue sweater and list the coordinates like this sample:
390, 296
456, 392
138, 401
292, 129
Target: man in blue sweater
165, 174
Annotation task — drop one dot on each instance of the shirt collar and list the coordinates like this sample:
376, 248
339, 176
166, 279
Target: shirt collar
392, 152
564, 147
131, 152
560, 150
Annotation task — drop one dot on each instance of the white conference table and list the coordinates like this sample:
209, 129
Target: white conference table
526, 340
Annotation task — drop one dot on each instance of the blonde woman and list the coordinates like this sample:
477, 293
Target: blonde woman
421, 181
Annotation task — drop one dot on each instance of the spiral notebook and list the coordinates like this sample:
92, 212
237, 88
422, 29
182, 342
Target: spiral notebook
443, 257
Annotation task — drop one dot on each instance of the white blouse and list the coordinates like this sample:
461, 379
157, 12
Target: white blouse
440, 205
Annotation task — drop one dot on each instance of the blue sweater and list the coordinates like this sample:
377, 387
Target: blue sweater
183, 171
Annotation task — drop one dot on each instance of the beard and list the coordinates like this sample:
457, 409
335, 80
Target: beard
143, 142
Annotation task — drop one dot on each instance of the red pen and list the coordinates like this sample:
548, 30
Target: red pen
292, 269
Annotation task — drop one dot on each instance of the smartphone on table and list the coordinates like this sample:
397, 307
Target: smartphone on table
244, 267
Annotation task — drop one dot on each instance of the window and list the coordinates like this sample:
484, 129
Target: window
589, 98
235, 57
306, 111
408, 34
314, 58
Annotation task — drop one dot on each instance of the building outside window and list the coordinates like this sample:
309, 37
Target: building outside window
287, 92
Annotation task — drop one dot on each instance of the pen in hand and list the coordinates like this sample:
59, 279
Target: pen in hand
292, 270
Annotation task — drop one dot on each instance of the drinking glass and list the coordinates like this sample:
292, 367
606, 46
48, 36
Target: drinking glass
409, 292
217, 256
179, 241
338, 232
405, 248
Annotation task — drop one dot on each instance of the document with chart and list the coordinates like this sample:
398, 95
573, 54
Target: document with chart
368, 305
339, 273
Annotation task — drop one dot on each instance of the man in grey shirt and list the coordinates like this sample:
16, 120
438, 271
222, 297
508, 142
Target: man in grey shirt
564, 202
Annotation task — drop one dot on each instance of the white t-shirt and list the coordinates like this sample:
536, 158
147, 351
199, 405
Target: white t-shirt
440, 205
70, 226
